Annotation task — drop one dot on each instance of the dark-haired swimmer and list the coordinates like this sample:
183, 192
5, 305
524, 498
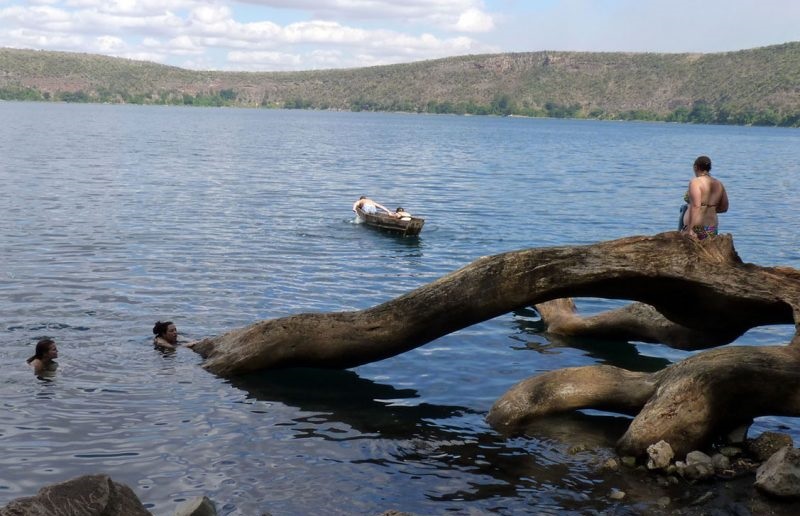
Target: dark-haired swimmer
166, 335
706, 197
44, 358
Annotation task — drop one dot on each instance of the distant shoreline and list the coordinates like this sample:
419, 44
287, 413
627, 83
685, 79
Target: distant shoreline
755, 87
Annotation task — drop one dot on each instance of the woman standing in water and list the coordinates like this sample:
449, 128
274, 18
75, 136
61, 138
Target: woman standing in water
44, 359
706, 197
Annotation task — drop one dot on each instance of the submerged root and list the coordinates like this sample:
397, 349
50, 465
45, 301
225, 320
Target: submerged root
687, 404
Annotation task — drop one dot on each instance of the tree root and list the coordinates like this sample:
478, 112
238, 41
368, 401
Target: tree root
686, 404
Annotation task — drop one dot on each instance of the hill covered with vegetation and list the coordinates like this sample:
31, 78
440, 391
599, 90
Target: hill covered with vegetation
758, 86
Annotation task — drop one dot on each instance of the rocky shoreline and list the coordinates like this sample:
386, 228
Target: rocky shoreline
752, 476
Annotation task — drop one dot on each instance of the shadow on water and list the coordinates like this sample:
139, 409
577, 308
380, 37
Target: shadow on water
451, 441
550, 460
343, 396
577, 429
611, 352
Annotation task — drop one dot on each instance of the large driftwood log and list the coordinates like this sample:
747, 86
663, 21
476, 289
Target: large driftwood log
701, 286
686, 404
701, 295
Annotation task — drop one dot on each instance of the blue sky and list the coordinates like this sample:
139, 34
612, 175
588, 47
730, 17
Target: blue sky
278, 35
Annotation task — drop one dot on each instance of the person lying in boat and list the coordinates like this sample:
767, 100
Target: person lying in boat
402, 214
369, 206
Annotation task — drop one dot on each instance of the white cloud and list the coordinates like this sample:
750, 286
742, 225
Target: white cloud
210, 14
323, 32
178, 46
40, 17
461, 15
109, 44
474, 20
131, 7
184, 45
26, 38
170, 29
260, 31
326, 58
375, 9
220, 34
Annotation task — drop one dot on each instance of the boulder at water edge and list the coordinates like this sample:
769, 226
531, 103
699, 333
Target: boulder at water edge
89, 495
780, 475
767, 444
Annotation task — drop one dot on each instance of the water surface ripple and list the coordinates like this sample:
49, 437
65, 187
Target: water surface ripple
115, 216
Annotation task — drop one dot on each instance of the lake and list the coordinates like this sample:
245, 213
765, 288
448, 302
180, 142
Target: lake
113, 217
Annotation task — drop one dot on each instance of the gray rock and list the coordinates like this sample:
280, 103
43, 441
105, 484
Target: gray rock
765, 445
611, 464
698, 466
698, 471
730, 451
199, 506
780, 474
698, 457
660, 455
89, 495
616, 494
720, 462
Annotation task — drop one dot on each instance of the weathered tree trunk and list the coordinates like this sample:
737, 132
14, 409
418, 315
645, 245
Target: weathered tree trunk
699, 285
686, 404
701, 295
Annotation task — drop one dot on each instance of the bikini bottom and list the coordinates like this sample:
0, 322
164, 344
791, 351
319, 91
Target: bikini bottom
704, 232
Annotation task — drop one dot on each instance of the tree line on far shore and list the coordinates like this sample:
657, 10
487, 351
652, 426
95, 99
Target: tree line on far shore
748, 87
502, 105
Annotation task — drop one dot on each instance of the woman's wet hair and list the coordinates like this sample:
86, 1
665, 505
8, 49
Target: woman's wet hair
399, 209
703, 163
160, 328
42, 347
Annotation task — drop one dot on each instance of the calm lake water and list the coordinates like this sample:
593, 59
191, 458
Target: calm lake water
113, 217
